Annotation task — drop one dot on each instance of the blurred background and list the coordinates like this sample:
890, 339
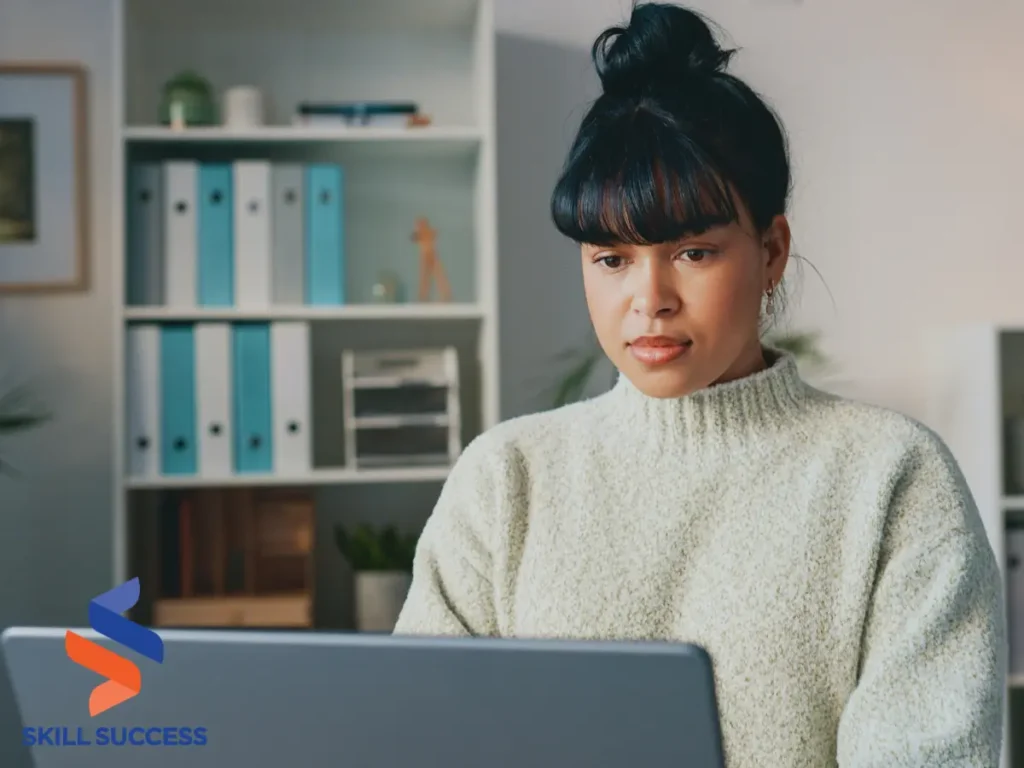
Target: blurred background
266, 268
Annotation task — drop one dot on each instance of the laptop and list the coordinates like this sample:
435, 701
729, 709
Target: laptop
274, 699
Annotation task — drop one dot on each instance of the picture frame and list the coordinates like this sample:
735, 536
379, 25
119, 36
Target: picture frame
44, 177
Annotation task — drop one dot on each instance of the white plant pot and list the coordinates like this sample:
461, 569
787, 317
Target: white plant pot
379, 599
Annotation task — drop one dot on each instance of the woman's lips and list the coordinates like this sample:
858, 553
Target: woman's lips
657, 350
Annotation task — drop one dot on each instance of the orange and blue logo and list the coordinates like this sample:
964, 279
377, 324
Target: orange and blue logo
124, 679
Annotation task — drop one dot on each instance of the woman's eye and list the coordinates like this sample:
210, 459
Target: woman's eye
695, 254
611, 262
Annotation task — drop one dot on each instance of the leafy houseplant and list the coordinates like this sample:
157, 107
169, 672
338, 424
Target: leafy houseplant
18, 413
382, 560
369, 549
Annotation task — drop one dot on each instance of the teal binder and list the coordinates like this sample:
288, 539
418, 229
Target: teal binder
253, 436
145, 269
216, 236
325, 235
178, 454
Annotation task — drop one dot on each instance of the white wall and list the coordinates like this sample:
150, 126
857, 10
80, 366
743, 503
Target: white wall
906, 120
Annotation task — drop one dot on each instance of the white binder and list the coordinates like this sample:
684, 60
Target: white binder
252, 233
142, 396
214, 399
181, 221
290, 388
288, 228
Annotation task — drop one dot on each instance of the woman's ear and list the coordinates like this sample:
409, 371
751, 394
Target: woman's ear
776, 242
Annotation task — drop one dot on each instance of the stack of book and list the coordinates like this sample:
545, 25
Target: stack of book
358, 114
237, 558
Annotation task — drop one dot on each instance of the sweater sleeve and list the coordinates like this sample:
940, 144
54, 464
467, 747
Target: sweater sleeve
932, 674
451, 592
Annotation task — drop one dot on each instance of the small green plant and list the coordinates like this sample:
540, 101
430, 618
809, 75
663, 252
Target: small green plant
803, 345
582, 364
376, 549
19, 412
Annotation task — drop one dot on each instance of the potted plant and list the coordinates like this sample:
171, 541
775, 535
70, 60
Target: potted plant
381, 559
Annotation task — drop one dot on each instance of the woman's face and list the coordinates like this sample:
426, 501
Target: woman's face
678, 317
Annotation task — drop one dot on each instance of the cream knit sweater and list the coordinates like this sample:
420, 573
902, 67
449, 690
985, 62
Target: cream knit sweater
826, 553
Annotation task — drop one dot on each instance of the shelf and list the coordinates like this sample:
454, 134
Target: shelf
1013, 503
1015, 681
401, 420
429, 139
340, 476
394, 382
437, 311
161, 133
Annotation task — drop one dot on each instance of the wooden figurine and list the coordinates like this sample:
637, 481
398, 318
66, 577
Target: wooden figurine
430, 264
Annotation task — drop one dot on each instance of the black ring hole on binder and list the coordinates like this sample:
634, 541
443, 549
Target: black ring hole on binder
254, 441
254, 205
143, 443
144, 196
181, 207
1014, 561
290, 196
325, 197
216, 197
293, 427
215, 429
180, 443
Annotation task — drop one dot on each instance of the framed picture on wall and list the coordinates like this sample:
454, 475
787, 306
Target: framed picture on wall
44, 236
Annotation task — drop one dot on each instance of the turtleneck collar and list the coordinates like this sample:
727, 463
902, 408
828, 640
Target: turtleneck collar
766, 399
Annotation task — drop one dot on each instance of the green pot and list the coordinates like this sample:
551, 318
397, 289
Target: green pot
192, 95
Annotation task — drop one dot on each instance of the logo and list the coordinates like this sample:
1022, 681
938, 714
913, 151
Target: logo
124, 680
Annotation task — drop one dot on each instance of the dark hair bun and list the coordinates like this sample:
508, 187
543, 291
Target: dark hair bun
663, 46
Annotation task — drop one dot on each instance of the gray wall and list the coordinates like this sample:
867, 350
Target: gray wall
56, 516
543, 90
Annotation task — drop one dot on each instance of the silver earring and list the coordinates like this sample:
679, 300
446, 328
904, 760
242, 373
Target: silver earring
770, 293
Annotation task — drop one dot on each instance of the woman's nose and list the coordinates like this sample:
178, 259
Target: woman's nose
654, 293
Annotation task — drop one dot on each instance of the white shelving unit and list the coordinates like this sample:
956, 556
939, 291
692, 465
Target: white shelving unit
439, 54
979, 385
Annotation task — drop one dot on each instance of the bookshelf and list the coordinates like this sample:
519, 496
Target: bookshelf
978, 396
439, 55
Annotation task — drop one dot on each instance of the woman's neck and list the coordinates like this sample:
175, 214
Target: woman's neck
734, 410
749, 362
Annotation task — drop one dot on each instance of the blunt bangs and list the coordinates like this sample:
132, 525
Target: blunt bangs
639, 180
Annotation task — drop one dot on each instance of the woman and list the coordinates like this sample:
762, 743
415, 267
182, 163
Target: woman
826, 553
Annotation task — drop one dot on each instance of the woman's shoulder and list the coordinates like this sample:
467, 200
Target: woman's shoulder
879, 435
544, 438
868, 423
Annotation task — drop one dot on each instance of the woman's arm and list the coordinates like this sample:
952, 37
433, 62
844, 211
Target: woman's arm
933, 659
451, 592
